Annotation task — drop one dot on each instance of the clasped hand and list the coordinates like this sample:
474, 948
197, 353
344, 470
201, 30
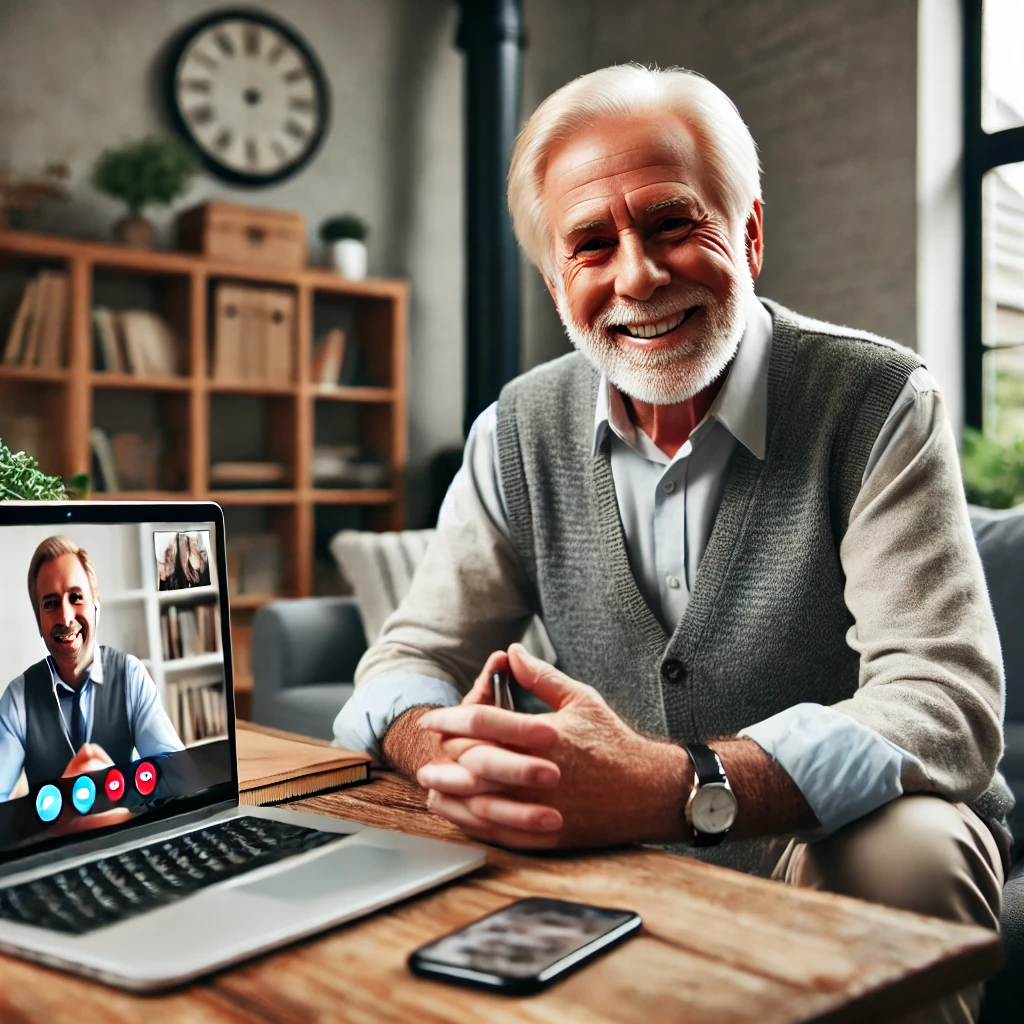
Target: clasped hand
575, 778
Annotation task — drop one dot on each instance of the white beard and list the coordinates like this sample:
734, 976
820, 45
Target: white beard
667, 375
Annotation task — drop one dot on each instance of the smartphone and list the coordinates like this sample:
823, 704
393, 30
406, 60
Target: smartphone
501, 691
525, 946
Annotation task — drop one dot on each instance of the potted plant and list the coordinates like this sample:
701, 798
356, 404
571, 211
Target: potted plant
346, 235
151, 172
21, 479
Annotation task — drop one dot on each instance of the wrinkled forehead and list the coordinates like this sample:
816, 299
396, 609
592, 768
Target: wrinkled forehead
60, 575
623, 158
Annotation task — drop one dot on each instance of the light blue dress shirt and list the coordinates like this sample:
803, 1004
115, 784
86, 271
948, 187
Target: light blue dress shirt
151, 729
668, 506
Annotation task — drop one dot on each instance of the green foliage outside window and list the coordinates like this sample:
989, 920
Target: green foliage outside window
993, 471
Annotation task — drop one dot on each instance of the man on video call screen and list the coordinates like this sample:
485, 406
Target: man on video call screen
101, 722
106, 705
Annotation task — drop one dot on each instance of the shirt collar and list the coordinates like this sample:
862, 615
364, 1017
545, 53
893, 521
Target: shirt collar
741, 406
94, 673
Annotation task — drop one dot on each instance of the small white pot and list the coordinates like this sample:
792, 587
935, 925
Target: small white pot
349, 255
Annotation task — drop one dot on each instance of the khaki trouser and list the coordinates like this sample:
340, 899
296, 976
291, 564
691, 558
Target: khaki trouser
917, 853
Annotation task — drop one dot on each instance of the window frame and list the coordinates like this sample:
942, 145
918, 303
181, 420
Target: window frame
982, 152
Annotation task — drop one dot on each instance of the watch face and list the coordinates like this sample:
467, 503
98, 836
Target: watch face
714, 808
249, 95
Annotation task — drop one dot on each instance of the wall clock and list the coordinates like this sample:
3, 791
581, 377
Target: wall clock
249, 95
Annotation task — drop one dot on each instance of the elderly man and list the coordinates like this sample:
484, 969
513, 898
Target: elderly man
744, 531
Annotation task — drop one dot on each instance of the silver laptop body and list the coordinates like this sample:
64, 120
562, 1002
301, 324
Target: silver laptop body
225, 922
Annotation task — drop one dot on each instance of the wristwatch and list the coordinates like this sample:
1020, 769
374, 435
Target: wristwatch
711, 807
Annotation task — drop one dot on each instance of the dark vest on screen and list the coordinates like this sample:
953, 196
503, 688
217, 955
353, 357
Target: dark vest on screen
47, 750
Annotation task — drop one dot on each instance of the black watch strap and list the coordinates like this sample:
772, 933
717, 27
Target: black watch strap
708, 768
705, 763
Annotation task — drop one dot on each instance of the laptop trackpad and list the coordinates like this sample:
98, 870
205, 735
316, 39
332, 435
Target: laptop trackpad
348, 868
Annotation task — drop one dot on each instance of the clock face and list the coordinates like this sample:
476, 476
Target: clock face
713, 808
249, 95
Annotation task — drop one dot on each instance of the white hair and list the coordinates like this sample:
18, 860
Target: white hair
727, 148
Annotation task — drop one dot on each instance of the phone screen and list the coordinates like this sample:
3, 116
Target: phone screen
525, 940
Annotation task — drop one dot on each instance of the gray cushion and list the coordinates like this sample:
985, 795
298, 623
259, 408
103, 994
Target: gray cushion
309, 710
308, 640
1000, 537
1004, 993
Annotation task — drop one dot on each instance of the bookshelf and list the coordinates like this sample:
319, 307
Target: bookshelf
201, 419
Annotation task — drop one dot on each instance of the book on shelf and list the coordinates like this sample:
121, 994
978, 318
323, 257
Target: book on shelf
108, 351
137, 457
126, 460
187, 631
329, 359
197, 709
149, 344
104, 473
38, 333
134, 341
274, 766
253, 334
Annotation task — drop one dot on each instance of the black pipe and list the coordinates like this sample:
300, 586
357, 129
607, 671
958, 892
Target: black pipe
491, 35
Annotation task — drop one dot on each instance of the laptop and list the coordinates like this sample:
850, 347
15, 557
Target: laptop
124, 853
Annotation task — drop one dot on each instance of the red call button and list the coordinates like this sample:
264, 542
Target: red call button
114, 785
145, 778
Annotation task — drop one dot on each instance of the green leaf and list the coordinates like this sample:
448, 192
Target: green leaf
22, 480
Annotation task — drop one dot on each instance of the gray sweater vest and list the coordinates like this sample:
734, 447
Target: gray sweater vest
766, 623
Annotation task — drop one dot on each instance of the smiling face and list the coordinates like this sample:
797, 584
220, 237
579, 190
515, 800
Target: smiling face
67, 615
650, 276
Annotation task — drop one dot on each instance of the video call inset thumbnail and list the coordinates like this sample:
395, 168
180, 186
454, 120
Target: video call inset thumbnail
98, 722
182, 559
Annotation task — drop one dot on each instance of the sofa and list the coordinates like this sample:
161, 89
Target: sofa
305, 651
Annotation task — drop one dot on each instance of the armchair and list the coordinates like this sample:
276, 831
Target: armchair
304, 656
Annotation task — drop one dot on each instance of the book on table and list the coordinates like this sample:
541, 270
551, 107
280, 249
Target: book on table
275, 766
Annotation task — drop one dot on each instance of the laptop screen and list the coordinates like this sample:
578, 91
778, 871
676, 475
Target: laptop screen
115, 678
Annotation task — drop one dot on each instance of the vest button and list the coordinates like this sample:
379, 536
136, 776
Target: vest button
673, 670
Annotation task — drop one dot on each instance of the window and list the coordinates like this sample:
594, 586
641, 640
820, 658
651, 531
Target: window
994, 217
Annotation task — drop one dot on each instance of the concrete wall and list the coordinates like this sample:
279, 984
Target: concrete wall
828, 89
78, 77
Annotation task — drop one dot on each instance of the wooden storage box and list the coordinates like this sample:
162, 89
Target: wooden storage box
245, 234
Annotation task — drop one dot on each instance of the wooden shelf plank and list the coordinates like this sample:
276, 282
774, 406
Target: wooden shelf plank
131, 381
353, 394
266, 496
109, 256
240, 601
250, 387
211, 659
145, 496
348, 496
33, 375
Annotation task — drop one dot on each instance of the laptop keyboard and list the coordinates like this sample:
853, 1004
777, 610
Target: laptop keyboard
103, 892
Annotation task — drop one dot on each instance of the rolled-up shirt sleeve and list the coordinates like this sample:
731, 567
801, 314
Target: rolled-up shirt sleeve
467, 599
927, 713
12, 736
151, 728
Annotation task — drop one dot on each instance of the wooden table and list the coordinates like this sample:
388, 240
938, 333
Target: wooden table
716, 946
